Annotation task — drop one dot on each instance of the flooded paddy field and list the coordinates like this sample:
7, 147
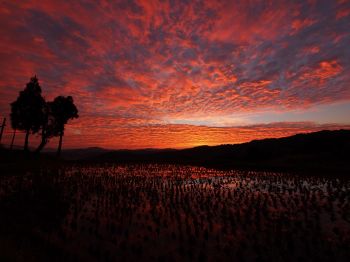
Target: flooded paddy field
172, 213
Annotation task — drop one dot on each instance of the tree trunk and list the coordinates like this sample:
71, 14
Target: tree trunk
41, 146
43, 142
26, 141
13, 139
60, 145
2, 128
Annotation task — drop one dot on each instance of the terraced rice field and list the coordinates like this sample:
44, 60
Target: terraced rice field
172, 213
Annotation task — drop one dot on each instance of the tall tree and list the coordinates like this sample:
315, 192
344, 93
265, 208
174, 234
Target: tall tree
27, 112
62, 109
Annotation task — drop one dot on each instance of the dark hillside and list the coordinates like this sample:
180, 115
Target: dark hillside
323, 151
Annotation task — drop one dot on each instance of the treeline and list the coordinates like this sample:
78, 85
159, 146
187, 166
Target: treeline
33, 115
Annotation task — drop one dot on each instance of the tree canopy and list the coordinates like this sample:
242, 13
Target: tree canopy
31, 113
27, 112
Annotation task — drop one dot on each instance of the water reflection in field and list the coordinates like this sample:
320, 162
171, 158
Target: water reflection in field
169, 212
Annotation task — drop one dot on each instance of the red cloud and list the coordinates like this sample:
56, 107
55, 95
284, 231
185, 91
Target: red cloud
149, 62
300, 24
343, 13
324, 71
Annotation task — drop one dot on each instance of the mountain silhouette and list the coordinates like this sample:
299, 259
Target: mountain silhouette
320, 151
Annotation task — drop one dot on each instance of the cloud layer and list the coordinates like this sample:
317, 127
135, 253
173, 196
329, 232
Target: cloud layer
149, 66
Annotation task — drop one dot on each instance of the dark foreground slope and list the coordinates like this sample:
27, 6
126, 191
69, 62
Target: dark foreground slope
319, 151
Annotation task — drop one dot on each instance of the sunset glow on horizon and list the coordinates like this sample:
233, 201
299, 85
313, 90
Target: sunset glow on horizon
177, 74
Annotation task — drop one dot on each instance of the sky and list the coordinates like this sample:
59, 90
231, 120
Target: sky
177, 74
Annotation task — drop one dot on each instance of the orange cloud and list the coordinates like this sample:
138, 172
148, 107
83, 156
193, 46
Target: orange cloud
141, 63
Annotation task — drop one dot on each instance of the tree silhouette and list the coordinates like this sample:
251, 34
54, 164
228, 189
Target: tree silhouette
62, 109
27, 112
